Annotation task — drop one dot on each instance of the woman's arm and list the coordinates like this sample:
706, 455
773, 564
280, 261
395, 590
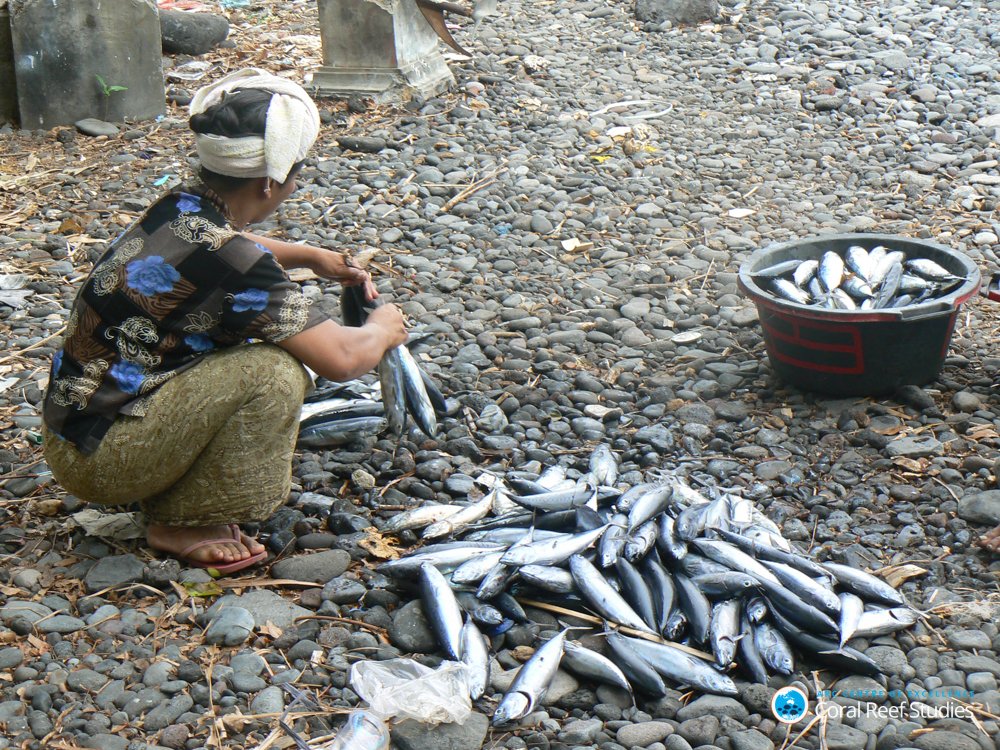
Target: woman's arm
341, 353
329, 264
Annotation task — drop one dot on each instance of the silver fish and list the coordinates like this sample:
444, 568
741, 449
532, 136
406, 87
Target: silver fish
725, 631
811, 592
629, 497
557, 499
602, 597
734, 558
650, 504
548, 577
804, 271
749, 657
445, 559
552, 477
475, 570
859, 262
856, 287
612, 544
695, 605
912, 284
778, 269
865, 585
640, 542
637, 591
773, 647
339, 407
691, 521
390, 376
443, 612
340, 431
885, 265
929, 269
841, 300
787, 290
640, 674
418, 403
667, 540
756, 609
725, 584
418, 517
594, 666
851, 609
603, 465
682, 667
531, 682
885, 621
476, 658
467, 515
831, 271
552, 551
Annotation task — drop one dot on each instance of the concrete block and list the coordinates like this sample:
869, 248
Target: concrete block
62, 47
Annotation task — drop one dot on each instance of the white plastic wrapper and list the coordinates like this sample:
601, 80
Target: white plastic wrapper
405, 689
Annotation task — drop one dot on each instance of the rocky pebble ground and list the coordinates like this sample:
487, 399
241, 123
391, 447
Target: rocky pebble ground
585, 292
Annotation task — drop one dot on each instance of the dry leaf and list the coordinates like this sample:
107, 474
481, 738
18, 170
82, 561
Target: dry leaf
573, 244
896, 575
202, 589
38, 644
377, 547
909, 464
70, 226
269, 628
301, 274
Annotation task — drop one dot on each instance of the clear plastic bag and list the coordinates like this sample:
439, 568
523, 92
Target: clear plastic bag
405, 689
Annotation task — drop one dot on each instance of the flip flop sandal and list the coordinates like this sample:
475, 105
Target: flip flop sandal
223, 568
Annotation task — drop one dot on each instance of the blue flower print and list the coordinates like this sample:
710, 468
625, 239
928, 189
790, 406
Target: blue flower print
199, 342
151, 276
263, 249
189, 203
129, 376
57, 362
250, 299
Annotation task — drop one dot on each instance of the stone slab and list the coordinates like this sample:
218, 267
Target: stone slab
61, 47
8, 85
383, 49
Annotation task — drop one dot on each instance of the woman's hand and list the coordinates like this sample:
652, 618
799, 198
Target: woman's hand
331, 264
389, 320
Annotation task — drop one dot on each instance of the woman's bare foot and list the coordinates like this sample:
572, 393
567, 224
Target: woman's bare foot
991, 540
227, 544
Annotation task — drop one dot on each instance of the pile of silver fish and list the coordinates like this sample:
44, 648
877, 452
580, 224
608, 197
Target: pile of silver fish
339, 413
689, 584
861, 279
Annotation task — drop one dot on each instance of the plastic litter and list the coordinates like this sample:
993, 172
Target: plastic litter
405, 689
190, 71
364, 730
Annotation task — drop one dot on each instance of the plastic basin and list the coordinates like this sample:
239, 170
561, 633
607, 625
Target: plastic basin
857, 352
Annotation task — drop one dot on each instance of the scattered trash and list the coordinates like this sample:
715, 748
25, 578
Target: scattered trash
362, 731
406, 689
190, 71
119, 526
162, 180
12, 292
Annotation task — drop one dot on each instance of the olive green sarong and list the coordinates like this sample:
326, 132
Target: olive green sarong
215, 444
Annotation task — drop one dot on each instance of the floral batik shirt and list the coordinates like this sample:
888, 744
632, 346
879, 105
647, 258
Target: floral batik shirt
175, 286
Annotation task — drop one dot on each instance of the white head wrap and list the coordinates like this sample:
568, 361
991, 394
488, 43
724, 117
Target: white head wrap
292, 127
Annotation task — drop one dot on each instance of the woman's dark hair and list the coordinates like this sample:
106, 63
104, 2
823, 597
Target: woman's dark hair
241, 113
